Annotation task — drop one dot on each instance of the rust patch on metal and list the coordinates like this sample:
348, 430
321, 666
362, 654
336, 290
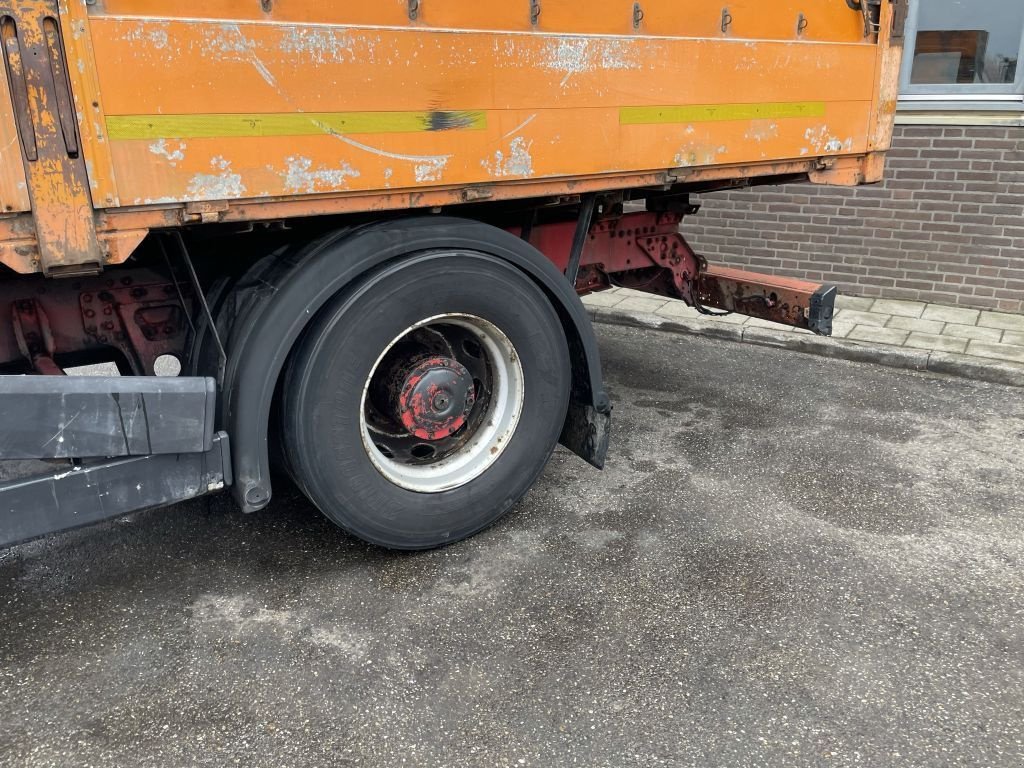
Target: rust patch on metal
645, 252
34, 336
436, 398
58, 184
782, 300
139, 313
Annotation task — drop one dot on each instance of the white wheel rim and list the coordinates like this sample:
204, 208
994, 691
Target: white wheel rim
497, 419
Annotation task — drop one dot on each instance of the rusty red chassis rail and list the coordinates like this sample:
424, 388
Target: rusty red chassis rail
646, 252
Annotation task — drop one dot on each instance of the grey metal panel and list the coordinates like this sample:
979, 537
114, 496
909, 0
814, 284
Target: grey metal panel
60, 417
72, 498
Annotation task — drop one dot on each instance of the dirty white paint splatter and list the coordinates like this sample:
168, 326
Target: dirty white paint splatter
685, 157
223, 184
692, 155
748, 63
300, 176
430, 170
762, 130
573, 56
154, 34
174, 157
516, 162
817, 137
318, 45
821, 141
230, 43
225, 38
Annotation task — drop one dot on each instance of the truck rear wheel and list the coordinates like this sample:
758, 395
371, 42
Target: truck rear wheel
424, 402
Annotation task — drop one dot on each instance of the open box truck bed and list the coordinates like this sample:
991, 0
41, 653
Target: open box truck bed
362, 230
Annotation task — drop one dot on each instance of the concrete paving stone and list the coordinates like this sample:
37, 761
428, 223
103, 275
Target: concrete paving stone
1001, 320
603, 299
940, 343
842, 330
862, 318
901, 308
878, 335
757, 322
1009, 352
1012, 337
973, 332
916, 324
859, 303
679, 309
957, 315
634, 304
729, 319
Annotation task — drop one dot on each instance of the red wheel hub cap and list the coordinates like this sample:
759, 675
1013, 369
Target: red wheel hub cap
436, 398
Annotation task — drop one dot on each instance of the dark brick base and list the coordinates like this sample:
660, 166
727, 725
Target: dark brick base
946, 226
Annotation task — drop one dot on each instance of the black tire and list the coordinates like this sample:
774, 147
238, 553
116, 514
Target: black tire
322, 397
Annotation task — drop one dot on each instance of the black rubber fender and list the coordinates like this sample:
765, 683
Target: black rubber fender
286, 290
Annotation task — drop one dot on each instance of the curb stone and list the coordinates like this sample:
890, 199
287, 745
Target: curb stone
947, 363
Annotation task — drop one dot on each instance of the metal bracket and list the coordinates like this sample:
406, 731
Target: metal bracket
207, 212
143, 321
58, 184
726, 20
534, 12
900, 11
34, 336
638, 15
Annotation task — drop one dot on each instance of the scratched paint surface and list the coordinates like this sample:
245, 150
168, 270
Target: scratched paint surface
13, 188
269, 106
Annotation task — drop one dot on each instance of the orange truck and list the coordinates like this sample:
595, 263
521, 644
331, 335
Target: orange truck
358, 233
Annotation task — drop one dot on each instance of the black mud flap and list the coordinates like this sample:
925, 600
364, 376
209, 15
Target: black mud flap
587, 432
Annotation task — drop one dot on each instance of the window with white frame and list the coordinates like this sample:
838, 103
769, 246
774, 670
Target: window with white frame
965, 52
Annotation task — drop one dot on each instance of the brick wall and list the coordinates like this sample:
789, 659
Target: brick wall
946, 226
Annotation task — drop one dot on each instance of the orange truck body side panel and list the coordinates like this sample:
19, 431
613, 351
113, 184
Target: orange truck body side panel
316, 107
13, 187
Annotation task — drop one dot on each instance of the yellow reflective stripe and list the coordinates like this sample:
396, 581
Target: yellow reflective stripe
707, 113
125, 127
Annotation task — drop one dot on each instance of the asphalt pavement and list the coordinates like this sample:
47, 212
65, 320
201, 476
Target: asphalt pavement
789, 561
